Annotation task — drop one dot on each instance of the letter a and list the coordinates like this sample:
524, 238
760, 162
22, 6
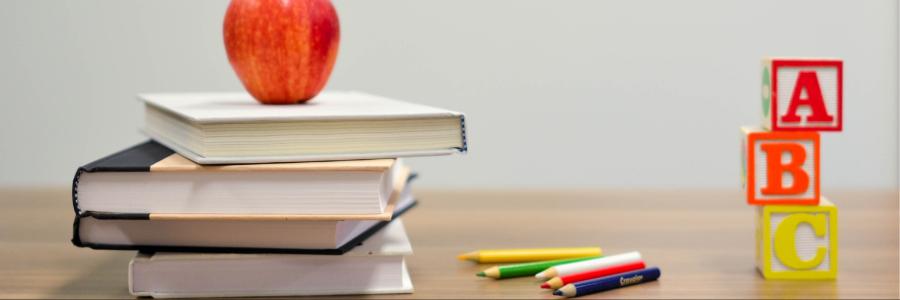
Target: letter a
775, 170
810, 81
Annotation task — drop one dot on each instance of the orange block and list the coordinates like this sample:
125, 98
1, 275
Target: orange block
780, 167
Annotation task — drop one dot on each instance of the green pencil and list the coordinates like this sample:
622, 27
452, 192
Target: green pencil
527, 269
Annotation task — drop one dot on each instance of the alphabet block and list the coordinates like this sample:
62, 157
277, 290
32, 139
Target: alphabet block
802, 94
780, 168
797, 241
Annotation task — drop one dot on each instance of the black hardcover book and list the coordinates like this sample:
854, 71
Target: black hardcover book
132, 179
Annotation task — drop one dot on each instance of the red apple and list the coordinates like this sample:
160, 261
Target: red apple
283, 51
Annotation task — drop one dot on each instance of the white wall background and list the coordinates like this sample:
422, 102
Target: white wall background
646, 94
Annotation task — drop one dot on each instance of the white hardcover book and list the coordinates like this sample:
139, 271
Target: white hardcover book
376, 267
232, 128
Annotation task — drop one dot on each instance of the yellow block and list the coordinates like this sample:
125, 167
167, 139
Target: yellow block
797, 241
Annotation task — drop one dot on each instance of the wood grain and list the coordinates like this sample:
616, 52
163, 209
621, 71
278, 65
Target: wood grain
702, 240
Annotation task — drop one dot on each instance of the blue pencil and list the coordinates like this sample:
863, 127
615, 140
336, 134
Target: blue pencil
607, 283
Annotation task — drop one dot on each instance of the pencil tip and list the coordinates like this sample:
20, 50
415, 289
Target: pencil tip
545, 285
539, 275
557, 293
480, 274
461, 257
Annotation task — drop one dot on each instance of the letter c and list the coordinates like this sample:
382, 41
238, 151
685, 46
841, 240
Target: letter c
785, 236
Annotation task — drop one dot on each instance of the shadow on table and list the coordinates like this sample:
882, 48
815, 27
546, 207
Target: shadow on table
797, 289
107, 279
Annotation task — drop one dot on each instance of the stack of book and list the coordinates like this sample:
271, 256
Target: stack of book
236, 198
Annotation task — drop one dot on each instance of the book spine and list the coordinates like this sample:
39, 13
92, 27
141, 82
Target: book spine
75, 190
465, 147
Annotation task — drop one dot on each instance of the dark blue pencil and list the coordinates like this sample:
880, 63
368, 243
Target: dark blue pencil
607, 283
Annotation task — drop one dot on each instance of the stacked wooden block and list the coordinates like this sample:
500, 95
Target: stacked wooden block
796, 232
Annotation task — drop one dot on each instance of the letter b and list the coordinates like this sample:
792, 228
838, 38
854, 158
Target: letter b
781, 167
775, 169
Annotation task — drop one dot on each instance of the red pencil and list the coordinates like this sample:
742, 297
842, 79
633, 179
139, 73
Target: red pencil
558, 282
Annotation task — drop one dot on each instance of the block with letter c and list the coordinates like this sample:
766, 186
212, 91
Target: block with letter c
797, 241
780, 168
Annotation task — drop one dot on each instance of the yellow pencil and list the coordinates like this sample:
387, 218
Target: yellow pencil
527, 255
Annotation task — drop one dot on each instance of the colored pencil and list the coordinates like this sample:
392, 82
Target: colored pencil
526, 269
527, 255
595, 285
587, 265
560, 281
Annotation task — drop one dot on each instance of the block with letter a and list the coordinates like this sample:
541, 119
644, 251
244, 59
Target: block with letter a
802, 94
780, 167
797, 241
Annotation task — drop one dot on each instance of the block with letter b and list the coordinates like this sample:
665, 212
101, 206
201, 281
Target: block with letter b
802, 94
780, 167
797, 241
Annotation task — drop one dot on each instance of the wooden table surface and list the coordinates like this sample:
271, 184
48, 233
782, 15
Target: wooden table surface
702, 241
